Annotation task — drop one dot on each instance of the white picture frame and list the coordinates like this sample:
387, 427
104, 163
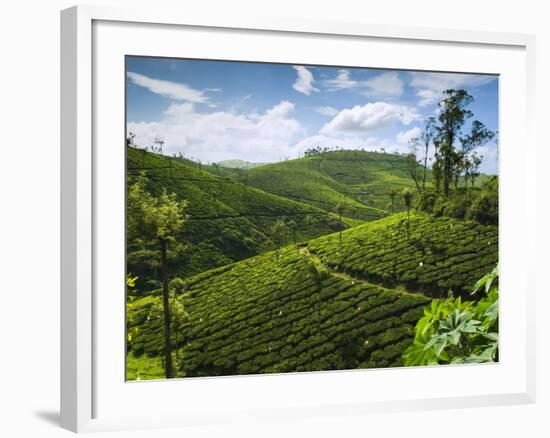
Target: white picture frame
87, 403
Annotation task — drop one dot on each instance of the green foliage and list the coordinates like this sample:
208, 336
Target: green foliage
455, 150
279, 231
130, 291
407, 198
478, 204
143, 367
150, 217
454, 331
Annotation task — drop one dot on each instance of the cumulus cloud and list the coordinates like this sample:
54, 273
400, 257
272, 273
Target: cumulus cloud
430, 86
369, 117
404, 137
489, 152
387, 84
328, 111
341, 82
221, 135
172, 90
304, 81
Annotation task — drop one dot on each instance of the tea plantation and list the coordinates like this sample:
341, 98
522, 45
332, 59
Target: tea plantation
358, 180
440, 255
226, 220
322, 306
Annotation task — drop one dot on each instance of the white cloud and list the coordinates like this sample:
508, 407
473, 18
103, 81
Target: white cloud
369, 117
304, 81
341, 82
328, 111
387, 84
172, 90
489, 165
404, 137
355, 142
221, 135
430, 86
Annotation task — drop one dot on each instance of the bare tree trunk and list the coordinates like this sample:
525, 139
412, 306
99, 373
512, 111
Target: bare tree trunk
166, 308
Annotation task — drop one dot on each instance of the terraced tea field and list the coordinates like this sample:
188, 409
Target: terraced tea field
359, 181
441, 254
324, 306
226, 221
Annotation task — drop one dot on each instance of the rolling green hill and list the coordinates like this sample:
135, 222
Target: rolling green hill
441, 254
358, 180
324, 305
226, 220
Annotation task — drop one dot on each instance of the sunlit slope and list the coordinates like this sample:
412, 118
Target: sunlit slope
278, 314
359, 181
440, 255
226, 220
337, 302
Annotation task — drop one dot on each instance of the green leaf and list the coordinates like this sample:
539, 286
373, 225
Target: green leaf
417, 355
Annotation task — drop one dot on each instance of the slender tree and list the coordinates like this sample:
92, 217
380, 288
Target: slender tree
453, 146
427, 138
475, 161
340, 209
278, 234
412, 162
392, 194
452, 116
158, 219
407, 199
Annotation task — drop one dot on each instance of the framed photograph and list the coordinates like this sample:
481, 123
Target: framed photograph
283, 219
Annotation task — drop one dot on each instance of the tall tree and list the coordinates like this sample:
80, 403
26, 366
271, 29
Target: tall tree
453, 145
475, 162
453, 113
158, 219
412, 161
407, 199
427, 138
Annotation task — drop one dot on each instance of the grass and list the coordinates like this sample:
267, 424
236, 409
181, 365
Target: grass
143, 367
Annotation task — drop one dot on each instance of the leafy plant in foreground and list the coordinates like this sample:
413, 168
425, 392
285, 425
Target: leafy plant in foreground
453, 331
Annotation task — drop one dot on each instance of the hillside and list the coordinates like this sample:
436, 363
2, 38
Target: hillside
226, 220
360, 181
320, 306
441, 254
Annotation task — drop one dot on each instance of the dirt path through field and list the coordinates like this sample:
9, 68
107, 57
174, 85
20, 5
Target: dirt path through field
304, 251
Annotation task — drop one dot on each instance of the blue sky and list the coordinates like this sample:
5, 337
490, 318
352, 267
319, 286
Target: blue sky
218, 110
